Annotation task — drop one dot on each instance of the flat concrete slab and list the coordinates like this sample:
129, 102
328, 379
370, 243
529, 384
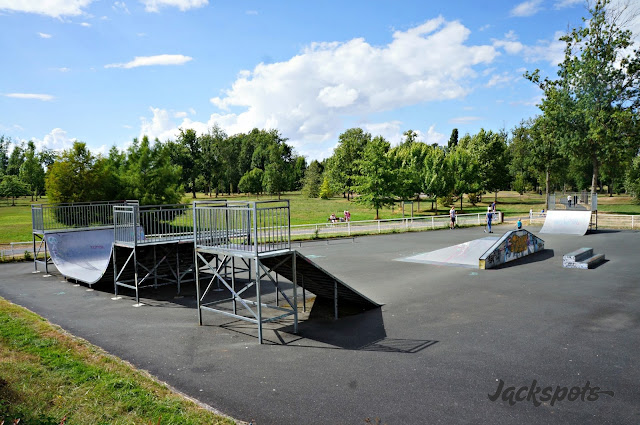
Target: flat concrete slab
441, 344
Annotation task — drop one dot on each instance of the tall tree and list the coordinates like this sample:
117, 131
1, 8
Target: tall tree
599, 82
31, 171
15, 160
343, 169
211, 161
438, 179
465, 172
11, 187
312, 180
453, 140
375, 184
187, 153
5, 142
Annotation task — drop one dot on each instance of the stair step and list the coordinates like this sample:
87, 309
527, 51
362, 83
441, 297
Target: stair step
589, 263
578, 254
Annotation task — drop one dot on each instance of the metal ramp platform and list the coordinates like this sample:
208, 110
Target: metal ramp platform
313, 278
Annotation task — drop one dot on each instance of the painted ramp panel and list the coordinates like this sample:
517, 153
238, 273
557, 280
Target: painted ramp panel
82, 255
566, 222
463, 255
511, 246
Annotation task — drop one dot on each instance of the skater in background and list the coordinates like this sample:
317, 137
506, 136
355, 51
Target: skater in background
489, 219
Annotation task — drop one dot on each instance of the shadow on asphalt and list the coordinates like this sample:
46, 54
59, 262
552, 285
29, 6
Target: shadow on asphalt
361, 332
534, 258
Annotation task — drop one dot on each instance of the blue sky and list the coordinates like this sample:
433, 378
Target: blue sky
104, 71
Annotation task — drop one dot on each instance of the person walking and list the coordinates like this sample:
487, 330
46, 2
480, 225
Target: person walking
569, 201
489, 219
452, 216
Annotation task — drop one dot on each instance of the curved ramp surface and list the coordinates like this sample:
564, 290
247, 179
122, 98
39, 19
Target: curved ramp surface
567, 222
82, 255
465, 254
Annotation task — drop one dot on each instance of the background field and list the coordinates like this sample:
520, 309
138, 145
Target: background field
15, 221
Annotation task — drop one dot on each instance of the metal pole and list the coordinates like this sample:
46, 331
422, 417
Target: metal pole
335, 299
258, 299
304, 295
233, 282
295, 293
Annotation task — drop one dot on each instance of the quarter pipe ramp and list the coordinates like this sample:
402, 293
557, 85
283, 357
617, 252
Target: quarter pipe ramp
566, 222
82, 255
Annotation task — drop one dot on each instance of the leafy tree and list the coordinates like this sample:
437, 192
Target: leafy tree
438, 179
31, 171
187, 153
632, 180
410, 137
343, 169
5, 142
325, 189
521, 154
251, 182
491, 154
72, 177
465, 172
12, 187
599, 89
375, 184
299, 168
275, 179
453, 140
408, 163
546, 150
312, 180
15, 160
211, 161
150, 175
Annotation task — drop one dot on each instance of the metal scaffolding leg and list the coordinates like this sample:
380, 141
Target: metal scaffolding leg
258, 300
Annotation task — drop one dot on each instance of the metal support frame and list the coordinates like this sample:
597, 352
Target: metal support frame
208, 276
170, 273
40, 246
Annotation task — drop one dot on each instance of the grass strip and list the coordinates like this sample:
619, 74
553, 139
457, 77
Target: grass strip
48, 376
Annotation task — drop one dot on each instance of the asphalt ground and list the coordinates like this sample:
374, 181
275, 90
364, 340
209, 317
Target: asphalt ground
437, 349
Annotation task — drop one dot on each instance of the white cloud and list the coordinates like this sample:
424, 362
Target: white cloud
85, 24
251, 12
56, 140
500, 80
527, 8
180, 114
485, 27
464, 120
432, 136
121, 6
53, 8
551, 51
36, 96
155, 5
151, 61
562, 4
534, 101
44, 35
328, 80
64, 69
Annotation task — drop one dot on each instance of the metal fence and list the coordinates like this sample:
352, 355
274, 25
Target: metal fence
85, 215
152, 224
257, 227
618, 221
388, 225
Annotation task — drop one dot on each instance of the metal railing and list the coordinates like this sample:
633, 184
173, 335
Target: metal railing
83, 215
152, 224
257, 227
389, 225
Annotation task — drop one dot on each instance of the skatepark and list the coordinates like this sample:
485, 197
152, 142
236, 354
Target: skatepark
442, 338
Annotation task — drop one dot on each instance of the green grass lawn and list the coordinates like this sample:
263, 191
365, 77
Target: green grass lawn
15, 221
46, 375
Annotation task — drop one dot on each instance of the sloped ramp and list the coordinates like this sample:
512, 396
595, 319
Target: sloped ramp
566, 222
320, 282
462, 255
83, 255
511, 246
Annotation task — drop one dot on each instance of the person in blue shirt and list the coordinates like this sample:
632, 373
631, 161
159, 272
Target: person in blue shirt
519, 224
489, 219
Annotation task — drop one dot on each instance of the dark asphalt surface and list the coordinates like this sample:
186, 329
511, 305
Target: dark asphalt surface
434, 352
